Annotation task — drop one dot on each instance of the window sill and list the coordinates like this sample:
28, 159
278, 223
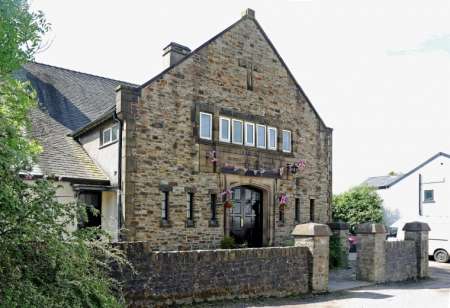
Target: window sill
245, 147
429, 201
164, 223
107, 144
213, 223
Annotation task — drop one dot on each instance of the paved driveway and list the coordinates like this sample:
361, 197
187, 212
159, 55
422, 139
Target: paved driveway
430, 293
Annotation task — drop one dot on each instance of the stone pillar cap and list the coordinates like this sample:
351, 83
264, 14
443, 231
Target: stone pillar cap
338, 225
311, 229
370, 228
416, 226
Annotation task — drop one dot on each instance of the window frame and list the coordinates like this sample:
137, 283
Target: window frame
257, 136
229, 129
213, 205
200, 126
232, 131
426, 200
190, 206
245, 133
271, 128
290, 141
165, 206
297, 210
110, 130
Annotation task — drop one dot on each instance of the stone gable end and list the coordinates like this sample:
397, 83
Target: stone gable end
163, 148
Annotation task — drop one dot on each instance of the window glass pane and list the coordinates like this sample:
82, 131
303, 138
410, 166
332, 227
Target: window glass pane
163, 206
261, 136
224, 129
429, 195
249, 134
205, 126
106, 135
272, 138
114, 133
286, 141
237, 132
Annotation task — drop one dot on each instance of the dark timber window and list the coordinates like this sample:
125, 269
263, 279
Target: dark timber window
190, 206
281, 214
297, 210
213, 207
165, 206
311, 209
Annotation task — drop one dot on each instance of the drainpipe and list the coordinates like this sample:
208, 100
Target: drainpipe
420, 194
119, 177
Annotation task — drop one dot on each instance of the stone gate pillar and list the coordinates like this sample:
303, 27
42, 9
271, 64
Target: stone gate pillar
418, 232
371, 248
340, 233
315, 237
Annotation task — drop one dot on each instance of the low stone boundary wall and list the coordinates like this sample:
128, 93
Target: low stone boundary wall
165, 278
401, 261
383, 261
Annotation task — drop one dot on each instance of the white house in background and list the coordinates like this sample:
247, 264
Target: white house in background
423, 191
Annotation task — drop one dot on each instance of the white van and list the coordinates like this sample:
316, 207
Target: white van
438, 238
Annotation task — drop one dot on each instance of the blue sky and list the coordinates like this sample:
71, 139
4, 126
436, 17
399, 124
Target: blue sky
378, 72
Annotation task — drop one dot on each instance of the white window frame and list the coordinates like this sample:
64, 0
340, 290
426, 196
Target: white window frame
220, 129
111, 140
200, 126
245, 133
270, 128
290, 141
257, 136
242, 131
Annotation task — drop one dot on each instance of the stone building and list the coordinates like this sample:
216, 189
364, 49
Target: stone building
223, 142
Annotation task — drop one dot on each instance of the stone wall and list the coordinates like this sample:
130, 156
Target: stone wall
166, 278
161, 147
382, 261
401, 261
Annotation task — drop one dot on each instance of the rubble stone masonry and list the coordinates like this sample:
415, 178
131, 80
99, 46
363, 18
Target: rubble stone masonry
163, 156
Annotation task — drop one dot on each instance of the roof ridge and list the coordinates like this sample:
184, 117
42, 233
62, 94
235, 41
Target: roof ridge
83, 73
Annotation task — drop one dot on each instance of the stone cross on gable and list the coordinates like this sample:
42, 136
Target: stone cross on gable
250, 69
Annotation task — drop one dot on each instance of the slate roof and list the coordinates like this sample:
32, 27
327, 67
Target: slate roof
383, 182
68, 100
380, 181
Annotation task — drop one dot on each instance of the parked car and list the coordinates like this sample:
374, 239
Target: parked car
352, 240
438, 237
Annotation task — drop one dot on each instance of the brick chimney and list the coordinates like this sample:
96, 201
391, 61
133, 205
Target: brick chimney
174, 53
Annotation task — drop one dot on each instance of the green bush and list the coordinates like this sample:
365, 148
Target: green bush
358, 205
228, 242
336, 253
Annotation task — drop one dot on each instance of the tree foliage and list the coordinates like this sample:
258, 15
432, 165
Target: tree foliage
41, 263
358, 205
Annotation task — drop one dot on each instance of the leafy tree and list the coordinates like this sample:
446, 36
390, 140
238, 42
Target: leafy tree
358, 205
41, 263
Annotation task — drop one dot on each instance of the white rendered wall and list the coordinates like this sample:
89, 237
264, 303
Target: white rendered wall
401, 201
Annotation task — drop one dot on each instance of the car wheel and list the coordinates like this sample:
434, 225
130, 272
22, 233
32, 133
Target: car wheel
441, 256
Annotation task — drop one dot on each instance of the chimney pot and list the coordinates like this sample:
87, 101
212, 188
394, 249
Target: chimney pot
174, 53
249, 13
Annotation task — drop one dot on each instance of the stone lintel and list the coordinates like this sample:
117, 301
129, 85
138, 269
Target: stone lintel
370, 228
338, 225
416, 226
311, 229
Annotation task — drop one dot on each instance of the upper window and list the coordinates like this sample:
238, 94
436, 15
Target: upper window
271, 138
110, 135
249, 134
237, 131
287, 141
205, 130
428, 196
260, 136
224, 129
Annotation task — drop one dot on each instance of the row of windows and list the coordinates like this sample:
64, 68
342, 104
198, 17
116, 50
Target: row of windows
213, 208
246, 133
